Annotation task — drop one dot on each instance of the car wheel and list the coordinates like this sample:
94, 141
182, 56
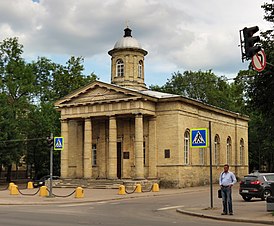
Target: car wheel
247, 198
265, 194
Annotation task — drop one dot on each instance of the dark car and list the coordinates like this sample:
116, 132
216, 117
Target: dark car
256, 185
42, 181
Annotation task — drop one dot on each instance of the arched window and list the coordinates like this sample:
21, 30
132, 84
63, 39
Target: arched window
241, 152
216, 155
186, 147
228, 150
140, 69
119, 68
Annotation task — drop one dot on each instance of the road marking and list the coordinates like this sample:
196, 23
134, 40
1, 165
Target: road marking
169, 208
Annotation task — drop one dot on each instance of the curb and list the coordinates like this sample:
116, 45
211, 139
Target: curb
51, 201
243, 220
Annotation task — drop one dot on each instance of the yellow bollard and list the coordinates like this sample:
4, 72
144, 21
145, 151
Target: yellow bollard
138, 188
155, 187
79, 192
14, 190
30, 185
122, 190
10, 185
43, 191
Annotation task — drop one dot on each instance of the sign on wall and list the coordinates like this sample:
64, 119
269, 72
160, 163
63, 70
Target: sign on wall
199, 138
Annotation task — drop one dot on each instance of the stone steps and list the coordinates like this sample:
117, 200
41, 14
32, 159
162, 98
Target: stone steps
104, 184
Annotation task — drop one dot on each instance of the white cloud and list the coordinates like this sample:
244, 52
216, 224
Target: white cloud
178, 34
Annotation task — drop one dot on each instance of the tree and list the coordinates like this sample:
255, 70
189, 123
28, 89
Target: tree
260, 102
17, 84
27, 94
53, 81
205, 87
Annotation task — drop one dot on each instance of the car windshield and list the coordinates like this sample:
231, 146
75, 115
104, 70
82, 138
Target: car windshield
269, 177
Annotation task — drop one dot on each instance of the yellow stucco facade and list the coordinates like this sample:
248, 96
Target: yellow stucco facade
123, 130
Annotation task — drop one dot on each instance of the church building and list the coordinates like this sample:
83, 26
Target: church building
125, 131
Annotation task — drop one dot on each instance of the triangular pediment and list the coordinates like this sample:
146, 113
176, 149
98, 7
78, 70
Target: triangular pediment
97, 92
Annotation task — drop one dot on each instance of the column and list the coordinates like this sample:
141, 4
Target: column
88, 148
64, 153
152, 155
138, 143
112, 155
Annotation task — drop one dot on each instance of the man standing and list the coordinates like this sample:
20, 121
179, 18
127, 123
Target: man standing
227, 180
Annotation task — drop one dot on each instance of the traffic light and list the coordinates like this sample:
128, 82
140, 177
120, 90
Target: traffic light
249, 41
50, 142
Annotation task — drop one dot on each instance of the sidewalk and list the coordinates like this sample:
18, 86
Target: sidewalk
251, 212
254, 211
90, 195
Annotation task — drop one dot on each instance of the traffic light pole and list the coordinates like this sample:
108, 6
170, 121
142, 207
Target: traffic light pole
51, 168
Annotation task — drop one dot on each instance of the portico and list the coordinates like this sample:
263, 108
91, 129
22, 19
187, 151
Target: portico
110, 147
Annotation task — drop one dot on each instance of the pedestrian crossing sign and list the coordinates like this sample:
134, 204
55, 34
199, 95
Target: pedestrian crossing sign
59, 143
199, 138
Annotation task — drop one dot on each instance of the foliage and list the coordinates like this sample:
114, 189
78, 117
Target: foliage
206, 87
260, 103
27, 94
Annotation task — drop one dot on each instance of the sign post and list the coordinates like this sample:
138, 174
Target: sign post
51, 168
199, 139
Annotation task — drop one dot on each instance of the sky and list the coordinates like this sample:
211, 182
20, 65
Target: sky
179, 35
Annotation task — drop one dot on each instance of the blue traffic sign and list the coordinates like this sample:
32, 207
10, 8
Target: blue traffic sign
59, 143
199, 138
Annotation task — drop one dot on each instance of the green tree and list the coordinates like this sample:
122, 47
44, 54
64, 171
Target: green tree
53, 81
260, 102
206, 87
27, 94
17, 84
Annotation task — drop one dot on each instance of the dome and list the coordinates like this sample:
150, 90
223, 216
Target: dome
127, 41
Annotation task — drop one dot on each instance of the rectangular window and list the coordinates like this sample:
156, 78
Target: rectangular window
94, 155
167, 153
144, 152
126, 155
202, 156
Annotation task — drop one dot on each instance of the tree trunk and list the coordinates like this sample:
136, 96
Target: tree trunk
8, 179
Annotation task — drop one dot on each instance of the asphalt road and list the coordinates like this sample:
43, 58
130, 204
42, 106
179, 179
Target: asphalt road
143, 211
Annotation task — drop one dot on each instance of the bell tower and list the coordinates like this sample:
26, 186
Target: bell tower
127, 62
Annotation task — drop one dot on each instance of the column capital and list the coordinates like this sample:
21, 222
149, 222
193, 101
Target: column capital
138, 115
112, 117
87, 119
152, 118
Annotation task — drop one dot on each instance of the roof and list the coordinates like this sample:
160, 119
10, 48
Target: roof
127, 41
158, 94
153, 95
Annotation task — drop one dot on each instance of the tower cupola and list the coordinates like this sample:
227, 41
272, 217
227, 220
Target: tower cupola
127, 62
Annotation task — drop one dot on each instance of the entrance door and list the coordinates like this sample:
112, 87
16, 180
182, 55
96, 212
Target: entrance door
119, 160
